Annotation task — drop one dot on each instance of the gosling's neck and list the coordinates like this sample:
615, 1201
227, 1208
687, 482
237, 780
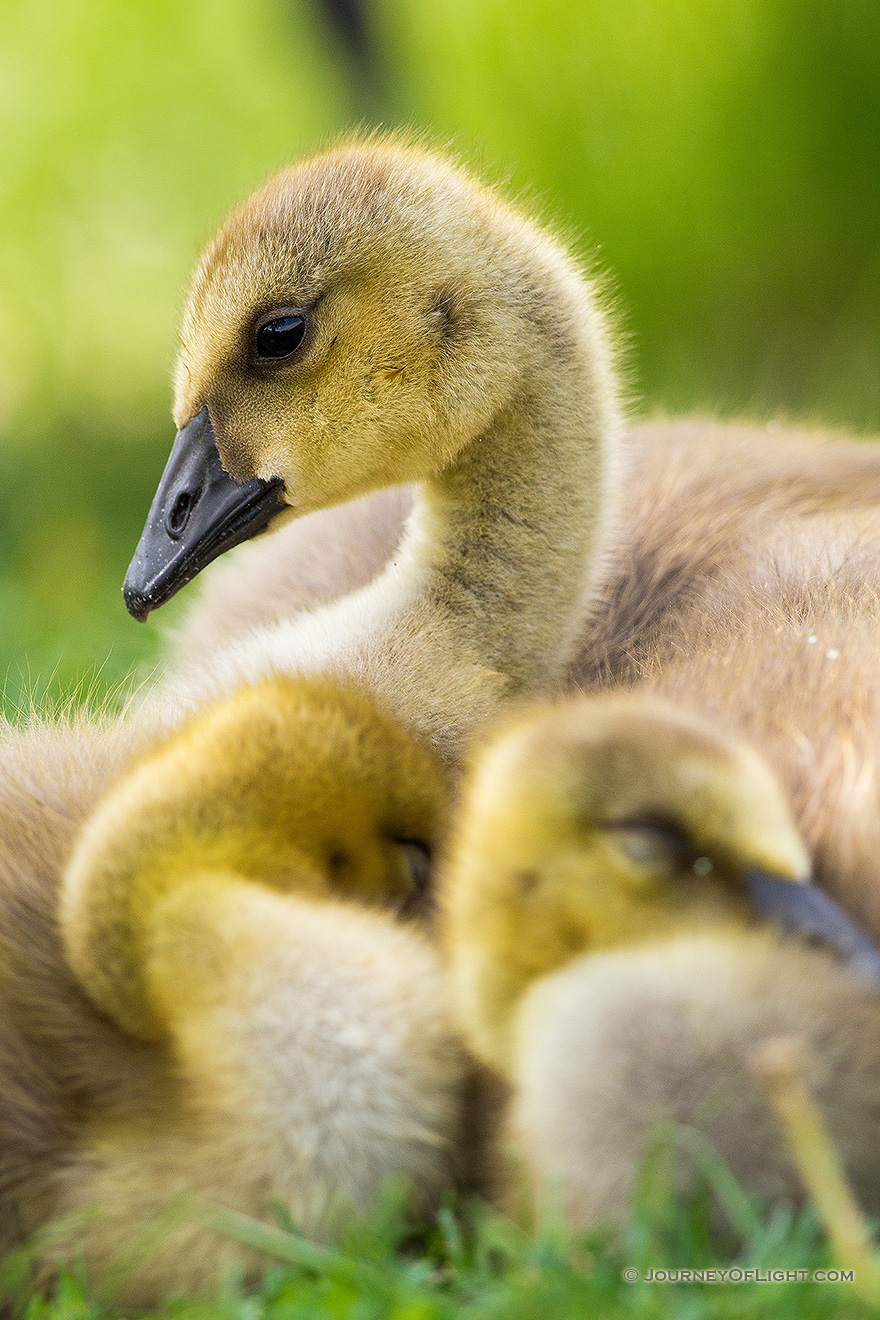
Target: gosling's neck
510, 538
485, 596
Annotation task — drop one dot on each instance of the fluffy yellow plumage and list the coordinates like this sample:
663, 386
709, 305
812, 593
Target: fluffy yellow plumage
302, 786
595, 825
609, 902
251, 1021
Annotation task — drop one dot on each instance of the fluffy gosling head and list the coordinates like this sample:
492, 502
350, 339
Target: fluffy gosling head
597, 823
354, 325
300, 785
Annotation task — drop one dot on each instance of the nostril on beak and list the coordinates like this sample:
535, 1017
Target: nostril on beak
179, 513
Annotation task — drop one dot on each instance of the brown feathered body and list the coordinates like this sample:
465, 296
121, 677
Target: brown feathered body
60, 1060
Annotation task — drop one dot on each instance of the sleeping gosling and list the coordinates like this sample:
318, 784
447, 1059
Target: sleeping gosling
227, 1002
615, 904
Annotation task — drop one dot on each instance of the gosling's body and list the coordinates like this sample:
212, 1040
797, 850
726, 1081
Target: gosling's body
203, 1011
306, 564
610, 962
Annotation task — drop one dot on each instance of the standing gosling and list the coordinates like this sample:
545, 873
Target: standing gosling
247, 1017
613, 904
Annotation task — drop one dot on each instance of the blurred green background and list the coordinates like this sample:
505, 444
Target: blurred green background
723, 157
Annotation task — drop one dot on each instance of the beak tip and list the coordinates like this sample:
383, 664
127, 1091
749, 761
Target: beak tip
137, 603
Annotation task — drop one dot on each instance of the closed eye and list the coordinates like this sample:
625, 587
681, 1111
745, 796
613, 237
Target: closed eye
416, 858
654, 845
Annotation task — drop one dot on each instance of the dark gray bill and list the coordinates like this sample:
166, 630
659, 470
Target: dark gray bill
197, 514
807, 911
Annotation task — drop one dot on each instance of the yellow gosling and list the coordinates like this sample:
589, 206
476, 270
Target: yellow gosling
298, 785
599, 824
614, 901
227, 1000
375, 315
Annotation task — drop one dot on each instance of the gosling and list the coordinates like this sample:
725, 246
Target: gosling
628, 915
224, 1000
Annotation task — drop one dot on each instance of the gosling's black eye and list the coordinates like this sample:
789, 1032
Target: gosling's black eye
280, 337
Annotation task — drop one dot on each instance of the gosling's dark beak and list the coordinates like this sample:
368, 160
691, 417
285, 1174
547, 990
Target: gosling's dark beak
198, 512
807, 911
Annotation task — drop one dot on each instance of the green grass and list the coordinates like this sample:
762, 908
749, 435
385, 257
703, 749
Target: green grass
478, 1265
